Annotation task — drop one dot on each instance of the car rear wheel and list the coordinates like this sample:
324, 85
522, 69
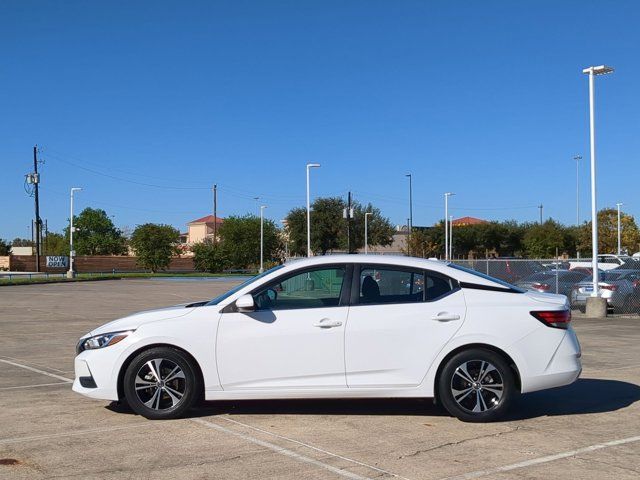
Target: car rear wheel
161, 383
476, 385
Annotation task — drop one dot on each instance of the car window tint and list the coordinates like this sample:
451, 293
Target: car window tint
391, 286
437, 286
310, 289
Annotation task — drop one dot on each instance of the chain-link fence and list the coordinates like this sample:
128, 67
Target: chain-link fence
619, 278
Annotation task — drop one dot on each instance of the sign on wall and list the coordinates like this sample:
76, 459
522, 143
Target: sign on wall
57, 262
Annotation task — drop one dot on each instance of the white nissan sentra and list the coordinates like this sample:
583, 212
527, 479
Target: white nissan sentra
347, 326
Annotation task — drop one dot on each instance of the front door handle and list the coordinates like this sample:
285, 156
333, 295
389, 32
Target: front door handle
327, 323
445, 317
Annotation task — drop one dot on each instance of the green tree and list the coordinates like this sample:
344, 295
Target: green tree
240, 241
56, 244
426, 242
5, 248
209, 257
329, 227
21, 242
380, 229
154, 245
542, 241
95, 234
608, 233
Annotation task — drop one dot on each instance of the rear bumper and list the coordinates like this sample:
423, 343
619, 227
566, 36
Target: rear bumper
564, 367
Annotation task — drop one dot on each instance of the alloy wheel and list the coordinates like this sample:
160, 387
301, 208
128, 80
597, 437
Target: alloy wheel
160, 384
477, 386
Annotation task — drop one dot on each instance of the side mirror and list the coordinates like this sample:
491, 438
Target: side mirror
245, 304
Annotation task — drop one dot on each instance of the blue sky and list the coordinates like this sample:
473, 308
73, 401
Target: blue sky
147, 104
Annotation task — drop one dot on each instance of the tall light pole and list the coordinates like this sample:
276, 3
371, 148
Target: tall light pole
446, 226
70, 272
262, 207
410, 223
592, 72
619, 229
450, 237
366, 232
577, 158
309, 166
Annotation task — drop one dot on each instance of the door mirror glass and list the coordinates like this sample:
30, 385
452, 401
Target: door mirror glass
245, 304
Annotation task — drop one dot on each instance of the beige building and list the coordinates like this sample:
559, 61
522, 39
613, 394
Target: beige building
200, 229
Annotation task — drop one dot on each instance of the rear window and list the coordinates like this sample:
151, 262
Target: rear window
487, 277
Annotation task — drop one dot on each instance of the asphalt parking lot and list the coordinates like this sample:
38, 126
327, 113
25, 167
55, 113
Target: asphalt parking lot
589, 430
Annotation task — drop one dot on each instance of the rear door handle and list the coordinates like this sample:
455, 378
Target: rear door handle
445, 317
327, 323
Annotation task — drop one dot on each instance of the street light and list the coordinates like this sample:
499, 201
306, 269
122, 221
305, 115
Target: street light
309, 165
366, 232
592, 72
577, 158
619, 229
450, 237
262, 207
446, 227
70, 273
410, 226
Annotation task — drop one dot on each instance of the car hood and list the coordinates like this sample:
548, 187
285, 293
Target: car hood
549, 298
132, 322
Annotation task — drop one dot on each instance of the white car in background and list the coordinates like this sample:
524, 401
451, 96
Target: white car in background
345, 326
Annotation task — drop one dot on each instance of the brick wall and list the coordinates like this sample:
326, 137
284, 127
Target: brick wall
98, 263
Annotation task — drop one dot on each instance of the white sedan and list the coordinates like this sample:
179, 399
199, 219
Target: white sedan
347, 326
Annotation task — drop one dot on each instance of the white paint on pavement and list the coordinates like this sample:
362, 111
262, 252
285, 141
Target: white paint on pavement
37, 370
282, 437
19, 387
283, 451
538, 461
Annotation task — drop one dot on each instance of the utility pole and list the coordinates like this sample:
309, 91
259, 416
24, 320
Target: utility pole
36, 181
577, 158
540, 207
348, 214
215, 213
410, 221
618, 205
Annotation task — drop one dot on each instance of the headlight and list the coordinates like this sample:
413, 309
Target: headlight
101, 341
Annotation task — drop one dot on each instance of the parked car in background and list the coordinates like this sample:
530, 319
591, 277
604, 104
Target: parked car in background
545, 282
607, 262
621, 288
559, 265
510, 270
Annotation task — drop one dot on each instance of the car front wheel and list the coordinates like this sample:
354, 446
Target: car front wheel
476, 385
161, 383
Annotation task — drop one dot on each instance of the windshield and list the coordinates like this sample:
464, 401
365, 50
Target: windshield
237, 288
487, 277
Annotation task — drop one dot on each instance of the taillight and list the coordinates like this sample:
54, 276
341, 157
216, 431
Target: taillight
541, 286
554, 318
636, 283
613, 288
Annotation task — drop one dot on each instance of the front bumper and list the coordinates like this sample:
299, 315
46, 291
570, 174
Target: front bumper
95, 376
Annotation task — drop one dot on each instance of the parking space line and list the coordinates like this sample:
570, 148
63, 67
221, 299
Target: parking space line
33, 363
538, 461
74, 433
283, 451
282, 437
37, 370
33, 386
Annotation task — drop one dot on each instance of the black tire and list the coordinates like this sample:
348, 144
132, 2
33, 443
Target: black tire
626, 306
171, 395
468, 386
